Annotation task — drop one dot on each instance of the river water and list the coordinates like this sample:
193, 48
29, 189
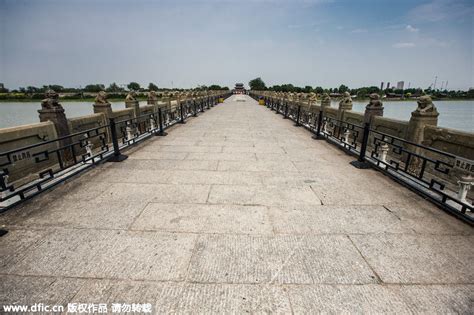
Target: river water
452, 114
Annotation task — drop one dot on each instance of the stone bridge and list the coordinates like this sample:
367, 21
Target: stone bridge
237, 212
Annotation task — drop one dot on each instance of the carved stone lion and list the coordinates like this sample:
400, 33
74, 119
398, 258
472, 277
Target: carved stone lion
375, 101
51, 100
326, 100
346, 101
152, 98
101, 98
131, 97
425, 105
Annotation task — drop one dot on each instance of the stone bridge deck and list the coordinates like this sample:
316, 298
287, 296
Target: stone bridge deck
237, 211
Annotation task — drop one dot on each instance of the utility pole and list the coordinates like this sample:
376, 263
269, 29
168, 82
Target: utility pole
434, 86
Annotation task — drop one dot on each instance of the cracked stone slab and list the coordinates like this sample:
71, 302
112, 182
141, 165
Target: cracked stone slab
30, 290
189, 298
157, 155
213, 177
189, 149
418, 258
15, 244
278, 259
382, 299
262, 195
156, 193
132, 165
335, 219
115, 214
204, 219
108, 254
256, 166
239, 156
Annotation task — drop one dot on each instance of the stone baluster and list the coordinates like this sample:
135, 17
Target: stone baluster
325, 101
464, 186
52, 111
425, 114
374, 108
102, 105
383, 152
132, 102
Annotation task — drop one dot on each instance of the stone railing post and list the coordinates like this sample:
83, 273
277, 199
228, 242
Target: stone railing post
52, 111
425, 114
374, 108
102, 106
325, 102
132, 102
344, 105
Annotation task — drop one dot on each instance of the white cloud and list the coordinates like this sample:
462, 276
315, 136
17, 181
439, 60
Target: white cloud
412, 29
403, 45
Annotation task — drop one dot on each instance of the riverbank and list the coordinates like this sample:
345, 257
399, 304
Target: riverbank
144, 98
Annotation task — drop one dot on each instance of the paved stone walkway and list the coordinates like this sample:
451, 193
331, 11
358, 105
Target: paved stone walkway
237, 211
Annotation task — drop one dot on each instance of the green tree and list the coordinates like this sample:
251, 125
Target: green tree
215, 87
257, 84
343, 88
94, 87
114, 88
133, 86
151, 87
319, 90
56, 88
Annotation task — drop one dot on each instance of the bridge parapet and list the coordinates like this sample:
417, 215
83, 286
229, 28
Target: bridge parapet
404, 150
34, 158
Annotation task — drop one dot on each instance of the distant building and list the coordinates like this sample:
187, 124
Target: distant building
388, 85
400, 85
2, 86
381, 86
239, 88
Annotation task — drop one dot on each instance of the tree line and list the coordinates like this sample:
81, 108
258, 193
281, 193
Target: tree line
94, 88
259, 84
114, 90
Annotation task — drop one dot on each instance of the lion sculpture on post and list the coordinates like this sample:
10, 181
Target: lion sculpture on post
425, 106
51, 101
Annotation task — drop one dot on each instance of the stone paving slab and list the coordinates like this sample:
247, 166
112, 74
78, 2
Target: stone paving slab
266, 195
237, 212
280, 259
429, 259
204, 219
107, 254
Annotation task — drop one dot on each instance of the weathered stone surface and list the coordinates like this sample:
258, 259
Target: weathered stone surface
204, 219
378, 299
262, 195
108, 254
427, 259
237, 212
282, 259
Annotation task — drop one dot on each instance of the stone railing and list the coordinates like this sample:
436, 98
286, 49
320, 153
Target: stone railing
37, 156
437, 161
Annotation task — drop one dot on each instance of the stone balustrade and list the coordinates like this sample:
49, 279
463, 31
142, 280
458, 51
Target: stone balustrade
23, 167
426, 149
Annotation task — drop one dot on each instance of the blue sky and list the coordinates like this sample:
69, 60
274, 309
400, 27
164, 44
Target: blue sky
187, 43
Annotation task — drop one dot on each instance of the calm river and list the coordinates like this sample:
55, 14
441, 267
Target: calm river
452, 114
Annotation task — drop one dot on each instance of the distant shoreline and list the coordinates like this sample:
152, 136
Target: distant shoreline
91, 100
